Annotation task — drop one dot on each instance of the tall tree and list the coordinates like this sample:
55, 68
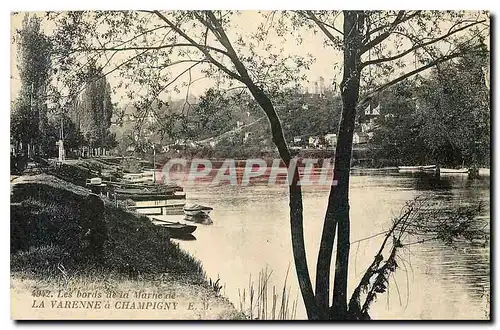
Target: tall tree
29, 117
442, 118
397, 137
454, 110
93, 111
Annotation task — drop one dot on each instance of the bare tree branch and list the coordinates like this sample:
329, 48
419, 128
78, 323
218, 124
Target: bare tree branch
409, 74
418, 46
149, 48
105, 74
200, 47
322, 25
381, 27
381, 37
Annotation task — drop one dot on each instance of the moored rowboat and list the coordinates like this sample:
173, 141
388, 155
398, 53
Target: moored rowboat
176, 229
454, 171
374, 170
197, 209
411, 169
150, 196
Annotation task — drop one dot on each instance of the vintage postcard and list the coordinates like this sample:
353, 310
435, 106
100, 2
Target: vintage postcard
250, 165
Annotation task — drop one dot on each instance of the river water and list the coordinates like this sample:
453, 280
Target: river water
251, 232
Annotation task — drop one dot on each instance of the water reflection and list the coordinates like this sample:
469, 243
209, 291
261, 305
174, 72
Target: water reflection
188, 237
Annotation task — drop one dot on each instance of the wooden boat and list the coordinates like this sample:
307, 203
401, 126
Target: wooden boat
429, 168
139, 180
167, 188
412, 169
484, 172
159, 207
176, 229
454, 171
374, 170
145, 190
201, 218
150, 197
140, 195
197, 209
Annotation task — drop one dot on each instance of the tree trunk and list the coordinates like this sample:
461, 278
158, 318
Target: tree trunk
296, 207
353, 21
337, 214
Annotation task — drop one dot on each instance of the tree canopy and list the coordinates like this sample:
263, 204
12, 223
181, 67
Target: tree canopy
29, 113
443, 118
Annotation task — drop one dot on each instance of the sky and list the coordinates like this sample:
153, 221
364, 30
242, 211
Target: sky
248, 21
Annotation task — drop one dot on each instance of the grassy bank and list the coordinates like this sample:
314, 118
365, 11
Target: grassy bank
47, 244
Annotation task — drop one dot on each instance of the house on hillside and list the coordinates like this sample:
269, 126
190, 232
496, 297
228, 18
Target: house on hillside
248, 135
372, 111
331, 139
360, 138
314, 141
368, 123
184, 142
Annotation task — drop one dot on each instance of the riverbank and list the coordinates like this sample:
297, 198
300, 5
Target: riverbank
48, 253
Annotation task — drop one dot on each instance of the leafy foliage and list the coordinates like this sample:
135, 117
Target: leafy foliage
93, 111
456, 112
304, 114
29, 110
443, 118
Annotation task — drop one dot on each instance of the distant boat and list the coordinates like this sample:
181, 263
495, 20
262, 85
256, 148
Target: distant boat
454, 171
138, 177
412, 169
141, 195
484, 171
374, 170
197, 210
167, 188
176, 229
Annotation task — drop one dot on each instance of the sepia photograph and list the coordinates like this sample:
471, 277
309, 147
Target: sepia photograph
250, 165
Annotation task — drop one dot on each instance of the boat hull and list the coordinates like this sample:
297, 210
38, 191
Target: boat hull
382, 170
195, 213
454, 171
201, 219
175, 229
414, 169
179, 231
149, 197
